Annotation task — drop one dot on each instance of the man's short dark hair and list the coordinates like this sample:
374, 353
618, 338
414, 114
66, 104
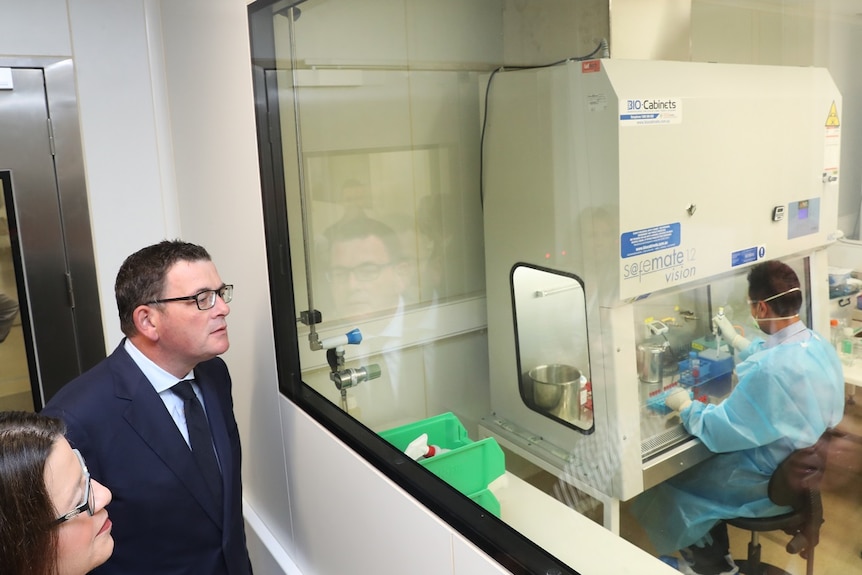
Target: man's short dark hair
361, 228
141, 278
771, 278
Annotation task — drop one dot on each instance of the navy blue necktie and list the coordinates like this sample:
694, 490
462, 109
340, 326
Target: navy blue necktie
200, 438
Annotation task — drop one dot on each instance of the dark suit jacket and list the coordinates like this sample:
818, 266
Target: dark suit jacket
164, 518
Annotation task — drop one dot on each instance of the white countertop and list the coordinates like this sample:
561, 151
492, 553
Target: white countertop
853, 374
571, 537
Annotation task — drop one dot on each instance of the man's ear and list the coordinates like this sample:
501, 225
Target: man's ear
147, 321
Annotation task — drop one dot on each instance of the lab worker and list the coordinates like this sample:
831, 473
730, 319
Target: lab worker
790, 390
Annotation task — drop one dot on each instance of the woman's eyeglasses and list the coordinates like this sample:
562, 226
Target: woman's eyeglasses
89, 503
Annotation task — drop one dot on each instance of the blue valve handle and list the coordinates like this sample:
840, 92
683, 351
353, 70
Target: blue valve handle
352, 337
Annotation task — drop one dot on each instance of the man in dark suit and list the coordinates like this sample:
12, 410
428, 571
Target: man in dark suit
176, 508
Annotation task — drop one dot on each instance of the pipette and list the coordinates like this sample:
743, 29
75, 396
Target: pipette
717, 333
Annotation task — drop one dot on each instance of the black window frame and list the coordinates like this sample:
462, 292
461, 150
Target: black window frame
511, 549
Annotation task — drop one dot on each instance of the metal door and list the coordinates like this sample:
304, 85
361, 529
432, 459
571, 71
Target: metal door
41, 150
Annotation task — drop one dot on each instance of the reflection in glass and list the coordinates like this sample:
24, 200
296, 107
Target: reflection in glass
383, 200
15, 390
395, 252
388, 231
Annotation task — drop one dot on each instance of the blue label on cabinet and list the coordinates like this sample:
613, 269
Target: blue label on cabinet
649, 240
747, 256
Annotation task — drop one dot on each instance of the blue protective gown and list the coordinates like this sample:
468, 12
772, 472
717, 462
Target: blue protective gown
790, 390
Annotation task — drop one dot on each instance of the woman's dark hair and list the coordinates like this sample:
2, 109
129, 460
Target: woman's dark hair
28, 538
771, 278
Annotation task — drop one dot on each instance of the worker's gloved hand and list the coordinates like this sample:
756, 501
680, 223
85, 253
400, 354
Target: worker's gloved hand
728, 333
678, 399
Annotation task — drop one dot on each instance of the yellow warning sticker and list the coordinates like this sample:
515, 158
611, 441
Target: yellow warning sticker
832, 148
832, 119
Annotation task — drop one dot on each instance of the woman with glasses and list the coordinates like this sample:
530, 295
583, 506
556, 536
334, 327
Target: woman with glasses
52, 515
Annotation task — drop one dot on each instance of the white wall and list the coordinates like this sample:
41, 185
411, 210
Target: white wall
805, 34
841, 43
120, 138
651, 29
21, 20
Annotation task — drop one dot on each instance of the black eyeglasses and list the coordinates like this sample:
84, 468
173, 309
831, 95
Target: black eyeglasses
89, 502
205, 299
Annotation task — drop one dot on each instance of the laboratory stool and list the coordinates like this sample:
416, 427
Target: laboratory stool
796, 483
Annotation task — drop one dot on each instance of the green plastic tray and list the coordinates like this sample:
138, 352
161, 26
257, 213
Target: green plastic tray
469, 466
443, 430
487, 500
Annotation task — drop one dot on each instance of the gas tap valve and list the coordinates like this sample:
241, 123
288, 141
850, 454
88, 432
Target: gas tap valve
353, 376
350, 377
334, 347
352, 337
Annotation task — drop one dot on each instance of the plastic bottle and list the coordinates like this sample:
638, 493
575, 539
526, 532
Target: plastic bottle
845, 347
585, 399
694, 364
834, 332
420, 449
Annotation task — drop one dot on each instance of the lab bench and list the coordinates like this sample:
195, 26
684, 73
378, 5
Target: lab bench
853, 373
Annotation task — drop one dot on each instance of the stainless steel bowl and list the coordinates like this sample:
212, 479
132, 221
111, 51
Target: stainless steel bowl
552, 382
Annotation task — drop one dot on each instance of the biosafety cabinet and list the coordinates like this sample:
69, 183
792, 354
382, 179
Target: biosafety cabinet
624, 202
